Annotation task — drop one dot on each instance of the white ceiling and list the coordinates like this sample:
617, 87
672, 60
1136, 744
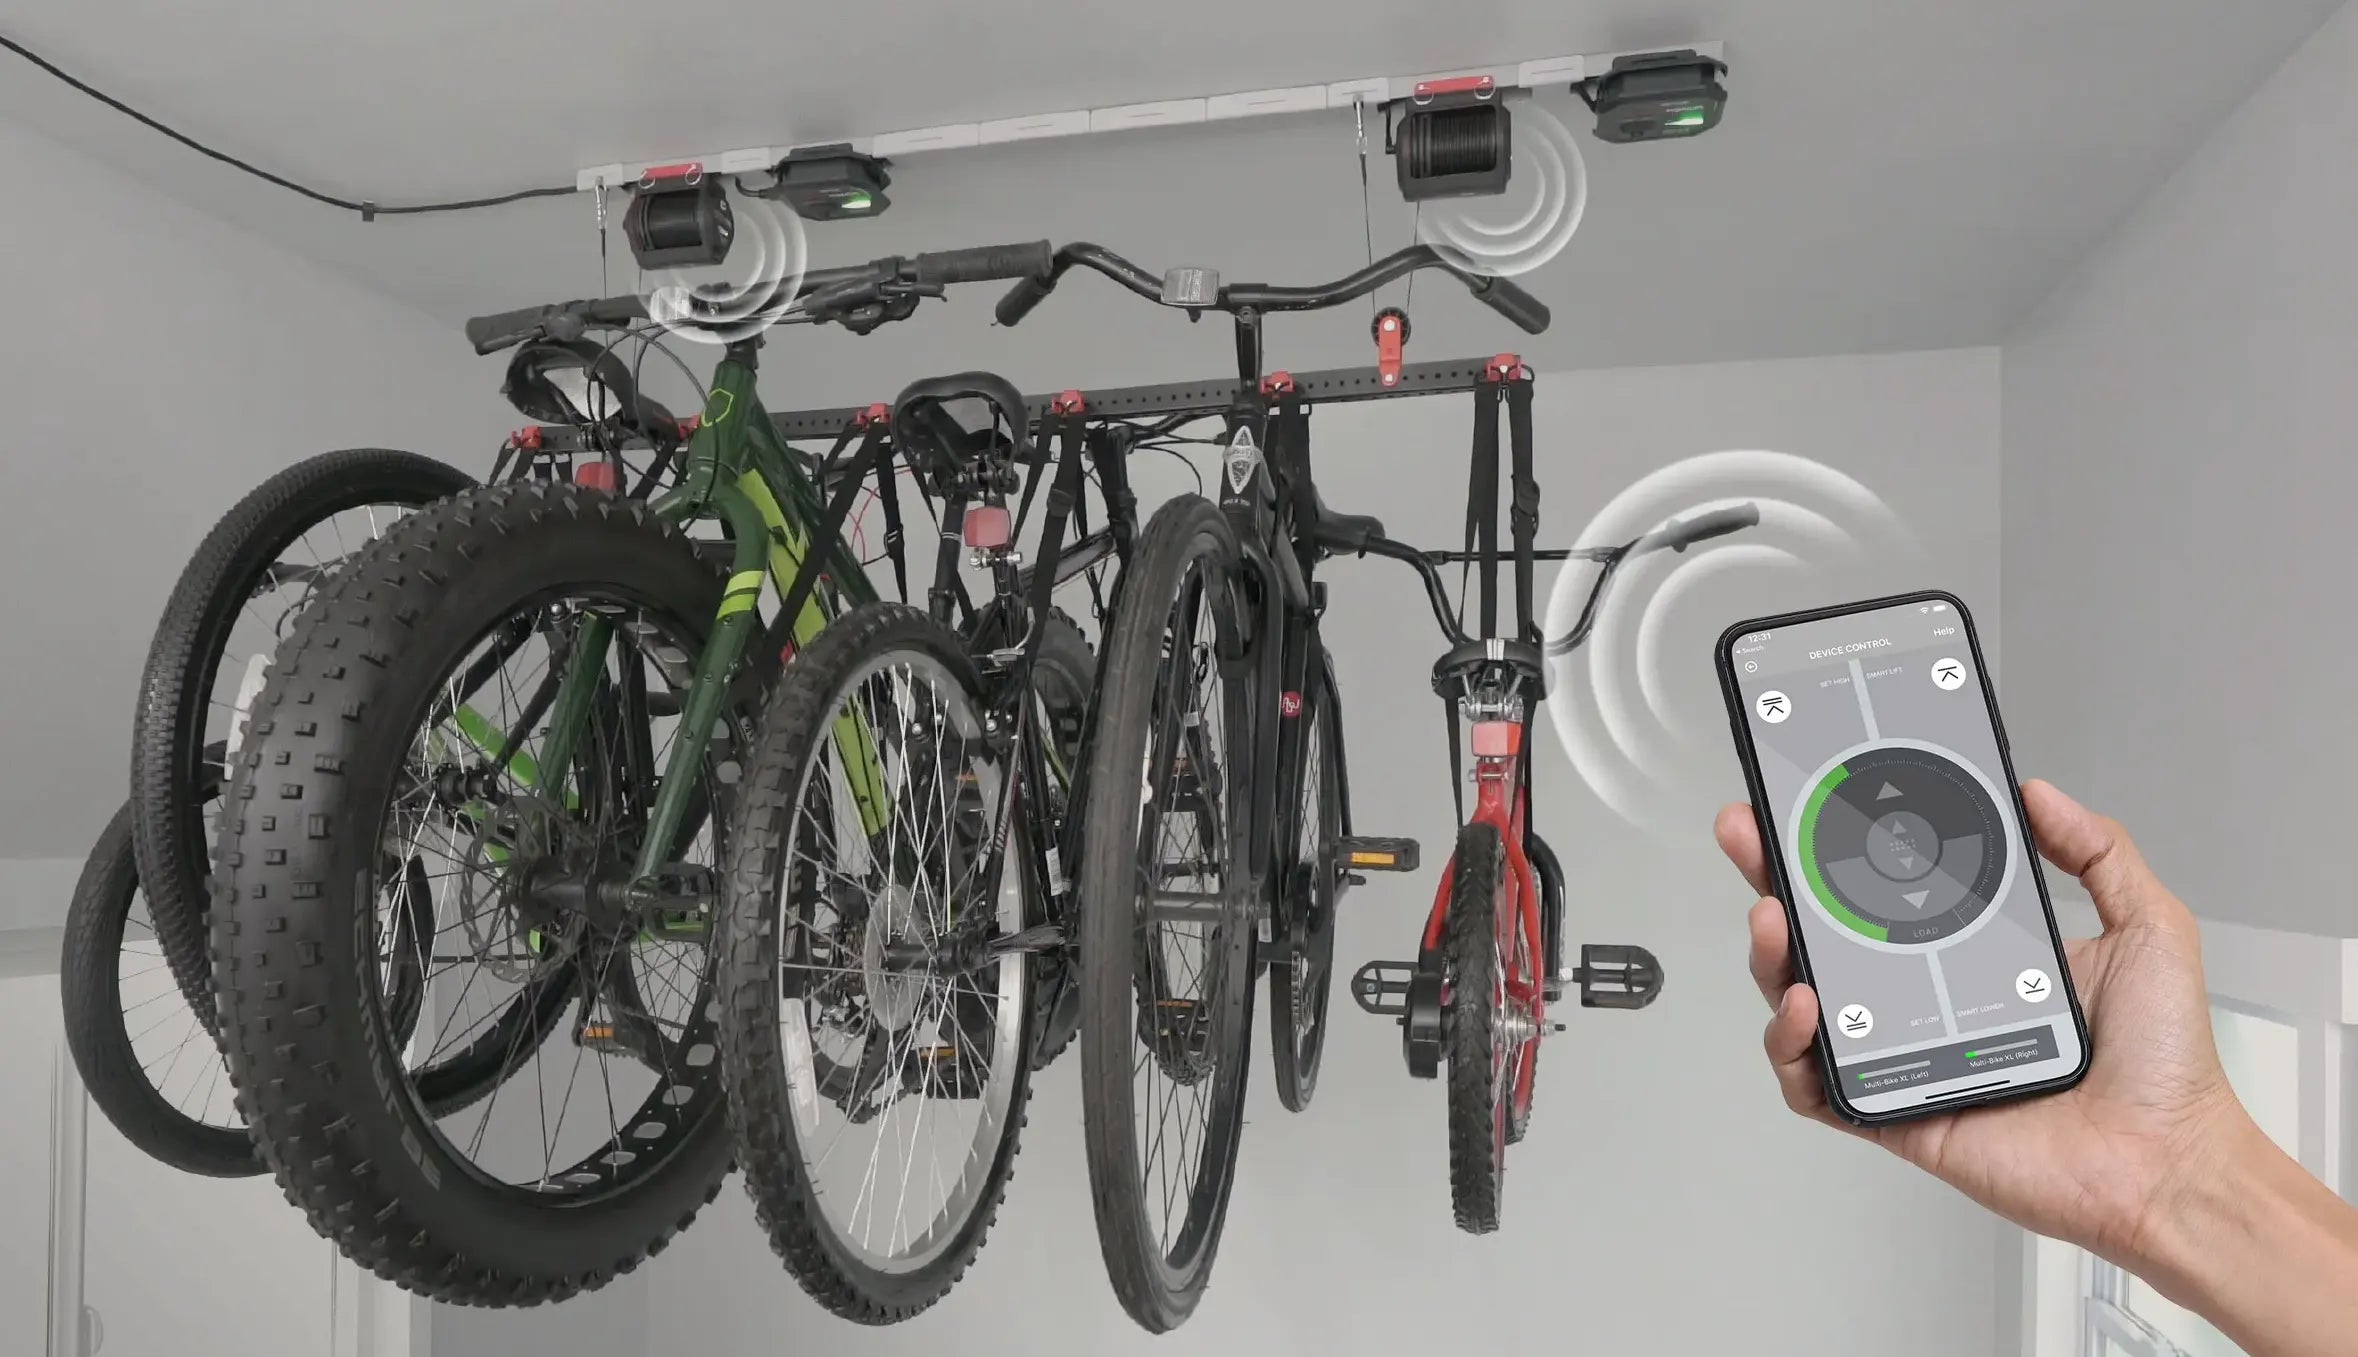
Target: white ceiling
1891, 175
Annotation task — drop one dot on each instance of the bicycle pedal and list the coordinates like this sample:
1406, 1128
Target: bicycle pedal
600, 1037
1617, 975
1366, 853
1381, 987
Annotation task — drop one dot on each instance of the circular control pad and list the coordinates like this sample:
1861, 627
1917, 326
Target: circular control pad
1902, 845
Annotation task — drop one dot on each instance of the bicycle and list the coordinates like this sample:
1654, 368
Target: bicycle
146, 1055
254, 572
1490, 959
544, 692
1214, 693
894, 902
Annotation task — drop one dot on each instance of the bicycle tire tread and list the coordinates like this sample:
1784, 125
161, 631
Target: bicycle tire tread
759, 1111
90, 990
274, 1026
1133, 659
173, 869
1470, 943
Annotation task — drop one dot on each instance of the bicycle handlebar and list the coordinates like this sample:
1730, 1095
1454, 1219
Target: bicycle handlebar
852, 286
1679, 536
984, 263
507, 329
1500, 295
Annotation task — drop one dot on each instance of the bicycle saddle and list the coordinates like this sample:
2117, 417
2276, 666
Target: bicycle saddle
556, 381
1336, 533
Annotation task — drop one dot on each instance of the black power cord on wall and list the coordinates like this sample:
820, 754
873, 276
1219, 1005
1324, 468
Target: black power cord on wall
368, 211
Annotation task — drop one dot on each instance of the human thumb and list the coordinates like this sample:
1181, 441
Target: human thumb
2098, 851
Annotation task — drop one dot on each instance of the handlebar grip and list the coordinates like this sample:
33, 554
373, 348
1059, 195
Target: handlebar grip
1022, 297
1717, 523
985, 263
507, 329
565, 320
1511, 301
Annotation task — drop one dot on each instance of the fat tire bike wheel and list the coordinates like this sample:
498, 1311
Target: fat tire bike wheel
1157, 1030
1301, 975
151, 1065
877, 1054
250, 576
372, 721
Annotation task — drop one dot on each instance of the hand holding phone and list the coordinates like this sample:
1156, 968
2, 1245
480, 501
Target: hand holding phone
1896, 839
2102, 1163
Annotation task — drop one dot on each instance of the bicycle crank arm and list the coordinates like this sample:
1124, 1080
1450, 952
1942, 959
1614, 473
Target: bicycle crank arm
963, 954
1037, 938
1410, 993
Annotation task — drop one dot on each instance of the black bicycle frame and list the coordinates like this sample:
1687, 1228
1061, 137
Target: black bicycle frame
1264, 476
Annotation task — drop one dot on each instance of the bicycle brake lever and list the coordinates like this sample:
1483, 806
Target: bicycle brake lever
865, 319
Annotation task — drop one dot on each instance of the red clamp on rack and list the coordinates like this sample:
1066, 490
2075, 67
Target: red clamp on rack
1498, 739
1068, 403
688, 427
687, 172
1480, 86
526, 438
1281, 382
879, 413
598, 475
1506, 367
986, 527
1391, 336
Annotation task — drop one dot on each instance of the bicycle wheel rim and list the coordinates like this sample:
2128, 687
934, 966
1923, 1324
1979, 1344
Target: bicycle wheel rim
916, 1037
1183, 969
1308, 976
640, 999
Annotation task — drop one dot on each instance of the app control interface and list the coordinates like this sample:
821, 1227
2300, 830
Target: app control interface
1919, 908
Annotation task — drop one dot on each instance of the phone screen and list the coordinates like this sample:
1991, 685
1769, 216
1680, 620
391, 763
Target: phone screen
1920, 908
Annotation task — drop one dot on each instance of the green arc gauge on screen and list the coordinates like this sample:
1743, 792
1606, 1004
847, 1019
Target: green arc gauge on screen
1902, 845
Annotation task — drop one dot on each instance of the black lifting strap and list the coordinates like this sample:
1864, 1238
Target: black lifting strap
888, 493
1070, 432
824, 541
1482, 505
1109, 448
1289, 459
1523, 516
1457, 757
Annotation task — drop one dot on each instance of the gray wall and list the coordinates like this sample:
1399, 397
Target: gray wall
2179, 487
1665, 1201
158, 363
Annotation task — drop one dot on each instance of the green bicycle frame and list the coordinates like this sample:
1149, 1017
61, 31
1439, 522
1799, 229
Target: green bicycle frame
740, 472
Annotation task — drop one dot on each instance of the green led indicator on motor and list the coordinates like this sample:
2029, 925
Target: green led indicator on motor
1693, 117
856, 202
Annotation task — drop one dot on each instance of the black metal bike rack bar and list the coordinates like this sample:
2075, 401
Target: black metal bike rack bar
1204, 398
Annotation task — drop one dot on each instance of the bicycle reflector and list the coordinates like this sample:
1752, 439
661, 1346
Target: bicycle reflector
1452, 139
678, 218
827, 183
1657, 96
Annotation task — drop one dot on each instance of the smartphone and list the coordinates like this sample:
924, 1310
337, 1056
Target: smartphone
1897, 841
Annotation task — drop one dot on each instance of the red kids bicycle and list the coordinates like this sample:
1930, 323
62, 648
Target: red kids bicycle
1491, 957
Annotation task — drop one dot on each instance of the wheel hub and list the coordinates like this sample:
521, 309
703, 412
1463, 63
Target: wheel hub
1515, 1026
894, 992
